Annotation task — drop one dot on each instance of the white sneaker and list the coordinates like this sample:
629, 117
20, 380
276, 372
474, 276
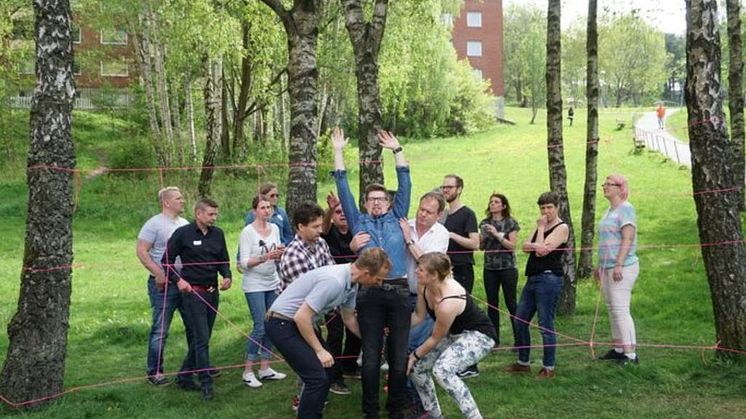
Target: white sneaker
250, 380
270, 374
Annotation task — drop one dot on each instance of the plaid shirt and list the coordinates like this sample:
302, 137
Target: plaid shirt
300, 258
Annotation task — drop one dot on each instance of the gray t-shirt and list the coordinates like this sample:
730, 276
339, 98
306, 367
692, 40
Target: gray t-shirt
157, 230
323, 289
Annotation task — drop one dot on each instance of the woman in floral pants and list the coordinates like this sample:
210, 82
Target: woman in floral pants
462, 335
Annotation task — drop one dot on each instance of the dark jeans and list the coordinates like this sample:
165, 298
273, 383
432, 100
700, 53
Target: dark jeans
508, 280
540, 294
335, 337
163, 305
199, 318
464, 275
379, 307
303, 360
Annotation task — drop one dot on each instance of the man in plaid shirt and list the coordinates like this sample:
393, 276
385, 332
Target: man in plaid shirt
308, 250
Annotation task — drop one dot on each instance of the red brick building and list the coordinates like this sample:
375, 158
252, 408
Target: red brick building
478, 37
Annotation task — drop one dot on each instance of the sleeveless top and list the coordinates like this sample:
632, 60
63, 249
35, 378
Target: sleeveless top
472, 318
551, 262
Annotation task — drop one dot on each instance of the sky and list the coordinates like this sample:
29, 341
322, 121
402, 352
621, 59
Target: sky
667, 15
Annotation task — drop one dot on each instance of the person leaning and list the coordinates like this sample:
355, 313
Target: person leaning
201, 247
291, 324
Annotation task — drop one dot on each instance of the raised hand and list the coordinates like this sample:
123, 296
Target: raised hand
338, 138
387, 140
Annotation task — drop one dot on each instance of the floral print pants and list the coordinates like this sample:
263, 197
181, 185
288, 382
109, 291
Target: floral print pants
452, 354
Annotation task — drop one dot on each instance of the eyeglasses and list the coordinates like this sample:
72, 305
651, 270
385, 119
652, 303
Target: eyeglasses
376, 199
611, 184
338, 211
448, 187
274, 195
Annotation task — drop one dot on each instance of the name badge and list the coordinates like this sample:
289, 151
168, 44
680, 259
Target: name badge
197, 242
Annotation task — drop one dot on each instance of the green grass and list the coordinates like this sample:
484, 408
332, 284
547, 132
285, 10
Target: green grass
678, 126
671, 304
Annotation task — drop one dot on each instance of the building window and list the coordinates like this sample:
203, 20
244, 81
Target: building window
117, 68
474, 48
76, 34
113, 37
474, 19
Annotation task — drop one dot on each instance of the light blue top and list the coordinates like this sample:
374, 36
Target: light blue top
157, 230
384, 231
323, 289
610, 235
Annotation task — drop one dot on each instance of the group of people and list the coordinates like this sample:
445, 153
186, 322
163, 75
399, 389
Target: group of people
380, 283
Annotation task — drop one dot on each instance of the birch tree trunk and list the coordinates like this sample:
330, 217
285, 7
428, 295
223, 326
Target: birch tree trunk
176, 124
34, 366
557, 171
301, 26
161, 87
142, 56
366, 43
735, 96
718, 218
190, 118
588, 227
213, 93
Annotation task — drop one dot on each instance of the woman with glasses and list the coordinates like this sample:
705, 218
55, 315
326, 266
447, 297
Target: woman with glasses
279, 217
618, 267
260, 247
498, 235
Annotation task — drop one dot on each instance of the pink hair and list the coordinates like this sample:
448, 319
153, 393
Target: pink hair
623, 186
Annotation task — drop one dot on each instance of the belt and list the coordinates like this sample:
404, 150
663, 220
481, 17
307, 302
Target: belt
393, 284
203, 288
275, 315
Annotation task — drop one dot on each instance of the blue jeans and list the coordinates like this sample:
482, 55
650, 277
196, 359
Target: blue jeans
378, 307
258, 344
200, 318
163, 305
303, 360
540, 294
418, 334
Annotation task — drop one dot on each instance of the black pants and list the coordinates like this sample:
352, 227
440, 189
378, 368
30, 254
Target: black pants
508, 280
379, 307
345, 359
286, 337
464, 275
200, 318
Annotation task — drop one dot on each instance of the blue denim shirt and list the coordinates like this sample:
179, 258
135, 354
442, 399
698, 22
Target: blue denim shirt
280, 219
384, 231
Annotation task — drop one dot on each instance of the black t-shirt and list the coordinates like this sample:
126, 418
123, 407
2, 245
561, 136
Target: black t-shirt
339, 245
461, 222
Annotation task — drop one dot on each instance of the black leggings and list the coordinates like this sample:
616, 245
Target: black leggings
508, 280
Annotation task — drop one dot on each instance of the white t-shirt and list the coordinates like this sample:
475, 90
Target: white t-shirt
262, 277
156, 231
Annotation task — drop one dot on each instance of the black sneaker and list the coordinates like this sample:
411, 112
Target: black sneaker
207, 393
158, 380
629, 361
470, 372
187, 384
612, 355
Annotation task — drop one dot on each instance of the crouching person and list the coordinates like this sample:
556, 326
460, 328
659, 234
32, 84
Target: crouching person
291, 320
462, 335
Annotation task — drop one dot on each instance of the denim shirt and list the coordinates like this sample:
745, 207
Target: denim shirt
384, 230
280, 219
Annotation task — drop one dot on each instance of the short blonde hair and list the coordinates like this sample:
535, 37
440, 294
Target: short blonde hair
166, 192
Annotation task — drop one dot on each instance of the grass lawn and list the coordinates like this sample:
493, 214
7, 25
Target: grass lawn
110, 314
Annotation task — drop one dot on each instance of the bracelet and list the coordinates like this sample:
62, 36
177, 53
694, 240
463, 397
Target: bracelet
397, 150
414, 353
410, 242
